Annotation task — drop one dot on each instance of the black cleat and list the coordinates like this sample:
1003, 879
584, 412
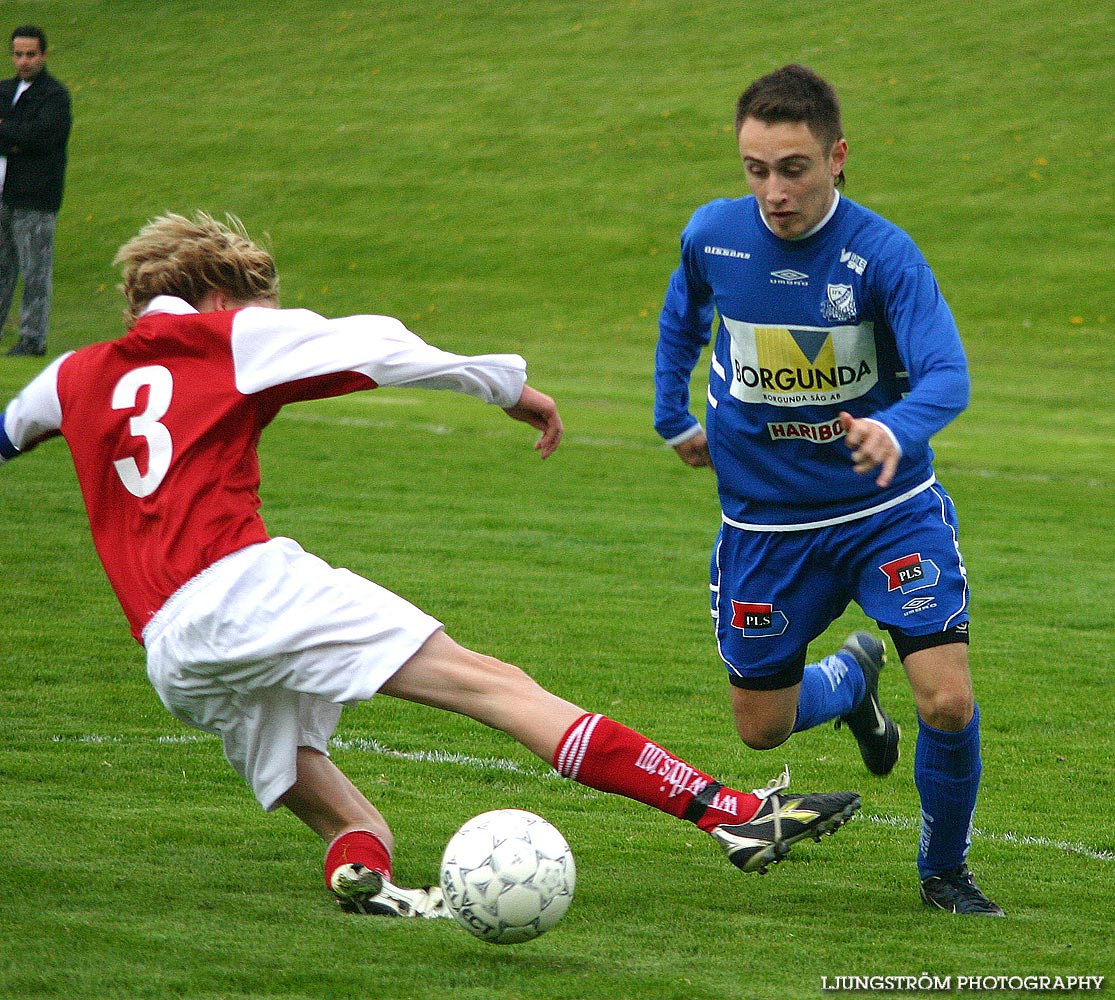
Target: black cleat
782, 820
956, 891
876, 732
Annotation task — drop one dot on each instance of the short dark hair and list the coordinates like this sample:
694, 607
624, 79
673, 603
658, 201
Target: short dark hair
793, 94
31, 31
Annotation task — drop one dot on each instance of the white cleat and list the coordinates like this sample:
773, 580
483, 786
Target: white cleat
359, 889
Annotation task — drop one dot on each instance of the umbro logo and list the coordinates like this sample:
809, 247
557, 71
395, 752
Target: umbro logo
788, 276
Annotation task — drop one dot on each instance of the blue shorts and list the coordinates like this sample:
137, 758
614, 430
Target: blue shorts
774, 592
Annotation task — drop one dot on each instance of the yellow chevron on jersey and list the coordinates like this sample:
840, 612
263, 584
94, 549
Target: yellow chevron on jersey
801, 365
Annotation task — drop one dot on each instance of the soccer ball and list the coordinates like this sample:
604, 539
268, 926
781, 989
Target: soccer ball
508, 876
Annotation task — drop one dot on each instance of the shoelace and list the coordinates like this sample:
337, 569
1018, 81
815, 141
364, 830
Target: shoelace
773, 787
779, 784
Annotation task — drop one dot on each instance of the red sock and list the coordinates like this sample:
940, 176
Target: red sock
357, 847
600, 753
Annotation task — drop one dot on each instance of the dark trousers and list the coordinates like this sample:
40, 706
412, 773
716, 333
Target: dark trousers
27, 248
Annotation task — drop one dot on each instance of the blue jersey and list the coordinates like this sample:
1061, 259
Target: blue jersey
848, 318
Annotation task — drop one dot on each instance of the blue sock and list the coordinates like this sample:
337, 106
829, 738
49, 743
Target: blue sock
947, 770
829, 689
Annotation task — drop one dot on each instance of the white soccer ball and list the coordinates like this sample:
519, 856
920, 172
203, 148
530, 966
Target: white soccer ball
508, 876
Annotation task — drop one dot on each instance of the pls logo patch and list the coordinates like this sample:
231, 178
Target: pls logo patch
911, 573
758, 620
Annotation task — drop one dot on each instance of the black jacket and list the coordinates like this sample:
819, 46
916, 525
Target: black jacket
33, 136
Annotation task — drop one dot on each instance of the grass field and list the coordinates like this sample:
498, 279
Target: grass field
514, 177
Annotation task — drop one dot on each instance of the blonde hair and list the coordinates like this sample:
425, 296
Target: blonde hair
189, 258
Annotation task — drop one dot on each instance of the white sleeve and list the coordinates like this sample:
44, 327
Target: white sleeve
274, 346
34, 414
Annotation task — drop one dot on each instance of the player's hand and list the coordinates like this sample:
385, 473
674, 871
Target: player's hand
694, 451
540, 411
871, 447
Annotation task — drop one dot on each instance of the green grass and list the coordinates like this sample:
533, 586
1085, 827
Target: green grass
514, 177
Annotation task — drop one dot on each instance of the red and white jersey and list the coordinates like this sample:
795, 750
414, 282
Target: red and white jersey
163, 424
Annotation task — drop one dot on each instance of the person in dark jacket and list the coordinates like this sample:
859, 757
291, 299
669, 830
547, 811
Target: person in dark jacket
35, 121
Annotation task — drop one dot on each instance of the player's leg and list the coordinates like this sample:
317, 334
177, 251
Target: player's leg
444, 674
772, 593
358, 858
263, 654
765, 719
947, 771
916, 585
328, 803
941, 681
277, 739
844, 686
599, 752
592, 749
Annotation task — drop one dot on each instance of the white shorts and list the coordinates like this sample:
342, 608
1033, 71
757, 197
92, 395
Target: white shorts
264, 648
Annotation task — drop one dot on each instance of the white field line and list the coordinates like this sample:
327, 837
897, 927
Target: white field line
368, 423
362, 745
649, 445
1018, 840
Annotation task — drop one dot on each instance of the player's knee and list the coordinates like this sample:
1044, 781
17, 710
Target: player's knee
947, 709
761, 734
764, 719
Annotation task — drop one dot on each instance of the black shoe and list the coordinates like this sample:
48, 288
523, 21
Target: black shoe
25, 348
956, 891
782, 820
875, 732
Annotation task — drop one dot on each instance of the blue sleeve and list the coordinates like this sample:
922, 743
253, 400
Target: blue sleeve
8, 451
929, 346
684, 330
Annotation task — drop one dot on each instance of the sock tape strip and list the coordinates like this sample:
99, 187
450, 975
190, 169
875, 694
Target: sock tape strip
701, 801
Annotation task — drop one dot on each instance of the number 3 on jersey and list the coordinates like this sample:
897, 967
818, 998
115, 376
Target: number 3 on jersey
160, 448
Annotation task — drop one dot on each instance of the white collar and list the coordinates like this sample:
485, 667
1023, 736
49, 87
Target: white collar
168, 304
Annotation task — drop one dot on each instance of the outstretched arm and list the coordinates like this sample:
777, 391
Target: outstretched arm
540, 411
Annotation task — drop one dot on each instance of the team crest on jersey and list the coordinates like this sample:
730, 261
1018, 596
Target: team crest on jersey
839, 304
911, 573
757, 620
